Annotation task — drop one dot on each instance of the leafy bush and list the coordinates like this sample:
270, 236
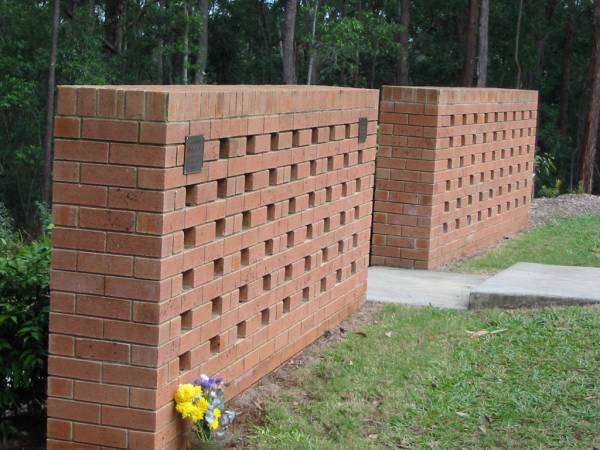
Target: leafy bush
24, 309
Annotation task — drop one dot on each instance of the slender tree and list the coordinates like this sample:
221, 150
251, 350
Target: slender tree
482, 59
289, 36
517, 42
185, 63
565, 81
404, 11
202, 53
587, 148
471, 43
50, 103
311, 77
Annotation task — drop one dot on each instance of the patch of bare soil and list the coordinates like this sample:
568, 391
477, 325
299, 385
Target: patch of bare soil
548, 210
250, 404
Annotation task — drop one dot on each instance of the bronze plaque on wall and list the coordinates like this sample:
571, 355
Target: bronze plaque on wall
194, 154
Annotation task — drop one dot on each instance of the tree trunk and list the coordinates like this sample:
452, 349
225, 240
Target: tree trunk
482, 60
590, 126
46, 193
314, 51
517, 39
113, 26
541, 44
404, 23
289, 54
565, 80
202, 54
185, 62
471, 44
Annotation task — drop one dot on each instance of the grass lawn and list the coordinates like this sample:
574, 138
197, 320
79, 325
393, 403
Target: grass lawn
570, 242
417, 379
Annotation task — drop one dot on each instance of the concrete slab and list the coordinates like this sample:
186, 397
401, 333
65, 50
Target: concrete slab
421, 287
535, 285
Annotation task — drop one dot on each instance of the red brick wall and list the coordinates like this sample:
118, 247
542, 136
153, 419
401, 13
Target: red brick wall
454, 172
158, 276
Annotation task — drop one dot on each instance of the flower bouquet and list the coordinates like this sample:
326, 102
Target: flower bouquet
203, 403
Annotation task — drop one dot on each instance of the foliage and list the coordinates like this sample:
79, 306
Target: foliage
568, 242
23, 326
415, 378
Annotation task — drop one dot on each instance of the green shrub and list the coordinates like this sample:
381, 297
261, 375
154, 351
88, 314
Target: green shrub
24, 309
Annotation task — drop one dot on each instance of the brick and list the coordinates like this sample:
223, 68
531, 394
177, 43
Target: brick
80, 150
110, 130
108, 175
101, 393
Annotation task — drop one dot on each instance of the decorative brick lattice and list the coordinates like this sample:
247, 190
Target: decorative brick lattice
158, 276
454, 172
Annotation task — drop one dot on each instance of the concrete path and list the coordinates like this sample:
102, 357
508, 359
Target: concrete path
536, 285
421, 287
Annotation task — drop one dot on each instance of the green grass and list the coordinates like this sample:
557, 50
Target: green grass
569, 242
430, 385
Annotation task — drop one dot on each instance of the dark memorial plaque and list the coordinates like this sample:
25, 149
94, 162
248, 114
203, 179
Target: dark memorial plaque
362, 129
194, 154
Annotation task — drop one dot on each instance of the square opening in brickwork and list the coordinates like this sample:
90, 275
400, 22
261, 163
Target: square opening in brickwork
223, 148
189, 237
490, 193
314, 137
245, 256
489, 212
246, 219
494, 155
512, 152
190, 194
188, 279
527, 166
274, 141
241, 330
271, 212
355, 240
311, 200
222, 188
483, 157
524, 200
328, 194
215, 344
353, 267
186, 320
448, 185
358, 185
220, 226
460, 182
313, 168
251, 145
340, 247
327, 224
346, 160
216, 306
492, 175
469, 219
290, 239
516, 202
243, 293
248, 182
356, 213
272, 177
449, 163
361, 156
219, 266
471, 180
446, 206
470, 199
287, 305
185, 361
295, 138
462, 161
338, 276
294, 172
323, 284
508, 206
344, 189
499, 190
288, 272
307, 263
292, 206
306, 294
343, 218
325, 254
266, 282
472, 159
330, 163
525, 182
265, 317
347, 131
482, 177
479, 216
481, 196
269, 246
501, 172
331, 133
499, 208
457, 224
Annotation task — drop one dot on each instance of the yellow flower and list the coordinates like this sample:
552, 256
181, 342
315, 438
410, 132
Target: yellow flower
187, 392
214, 424
217, 412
